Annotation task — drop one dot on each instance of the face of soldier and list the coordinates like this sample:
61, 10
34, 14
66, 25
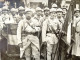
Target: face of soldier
64, 11
38, 13
59, 14
4, 12
77, 13
53, 14
46, 12
13, 13
28, 15
21, 13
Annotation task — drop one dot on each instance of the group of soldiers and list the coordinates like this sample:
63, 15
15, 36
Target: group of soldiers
40, 33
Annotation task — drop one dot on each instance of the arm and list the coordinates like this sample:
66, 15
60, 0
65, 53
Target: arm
44, 29
19, 29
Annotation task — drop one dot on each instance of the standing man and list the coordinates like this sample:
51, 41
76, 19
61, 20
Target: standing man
62, 44
28, 41
76, 26
49, 29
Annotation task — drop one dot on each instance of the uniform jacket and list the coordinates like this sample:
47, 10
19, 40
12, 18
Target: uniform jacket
29, 29
48, 24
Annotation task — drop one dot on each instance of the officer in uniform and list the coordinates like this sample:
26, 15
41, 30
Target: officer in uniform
76, 25
53, 16
49, 28
28, 40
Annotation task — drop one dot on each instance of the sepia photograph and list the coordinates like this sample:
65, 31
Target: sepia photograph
39, 29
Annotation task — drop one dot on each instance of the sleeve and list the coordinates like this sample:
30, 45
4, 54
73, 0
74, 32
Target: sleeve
44, 29
19, 28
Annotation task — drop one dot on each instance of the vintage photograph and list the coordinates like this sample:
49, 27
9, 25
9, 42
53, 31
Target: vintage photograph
39, 29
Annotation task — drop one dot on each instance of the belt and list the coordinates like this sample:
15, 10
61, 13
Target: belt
50, 32
35, 34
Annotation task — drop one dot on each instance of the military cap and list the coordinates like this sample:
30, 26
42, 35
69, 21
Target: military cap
5, 8
59, 10
38, 9
54, 5
76, 9
46, 9
14, 10
21, 8
28, 10
53, 10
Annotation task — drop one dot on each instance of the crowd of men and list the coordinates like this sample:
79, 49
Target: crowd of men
39, 31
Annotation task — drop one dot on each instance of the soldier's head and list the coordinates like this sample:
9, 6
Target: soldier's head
53, 12
76, 12
54, 6
38, 11
64, 8
5, 10
46, 11
21, 10
59, 12
14, 11
28, 13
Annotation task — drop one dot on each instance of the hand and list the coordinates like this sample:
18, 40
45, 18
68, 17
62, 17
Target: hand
20, 45
37, 29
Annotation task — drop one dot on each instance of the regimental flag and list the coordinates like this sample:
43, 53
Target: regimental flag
67, 26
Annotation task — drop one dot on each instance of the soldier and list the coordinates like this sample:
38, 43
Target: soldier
46, 14
28, 40
5, 16
14, 15
38, 13
60, 18
62, 44
49, 29
76, 26
64, 11
21, 13
53, 16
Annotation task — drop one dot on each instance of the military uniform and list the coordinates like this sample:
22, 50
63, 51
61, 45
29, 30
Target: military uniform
62, 44
76, 46
48, 35
29, 38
